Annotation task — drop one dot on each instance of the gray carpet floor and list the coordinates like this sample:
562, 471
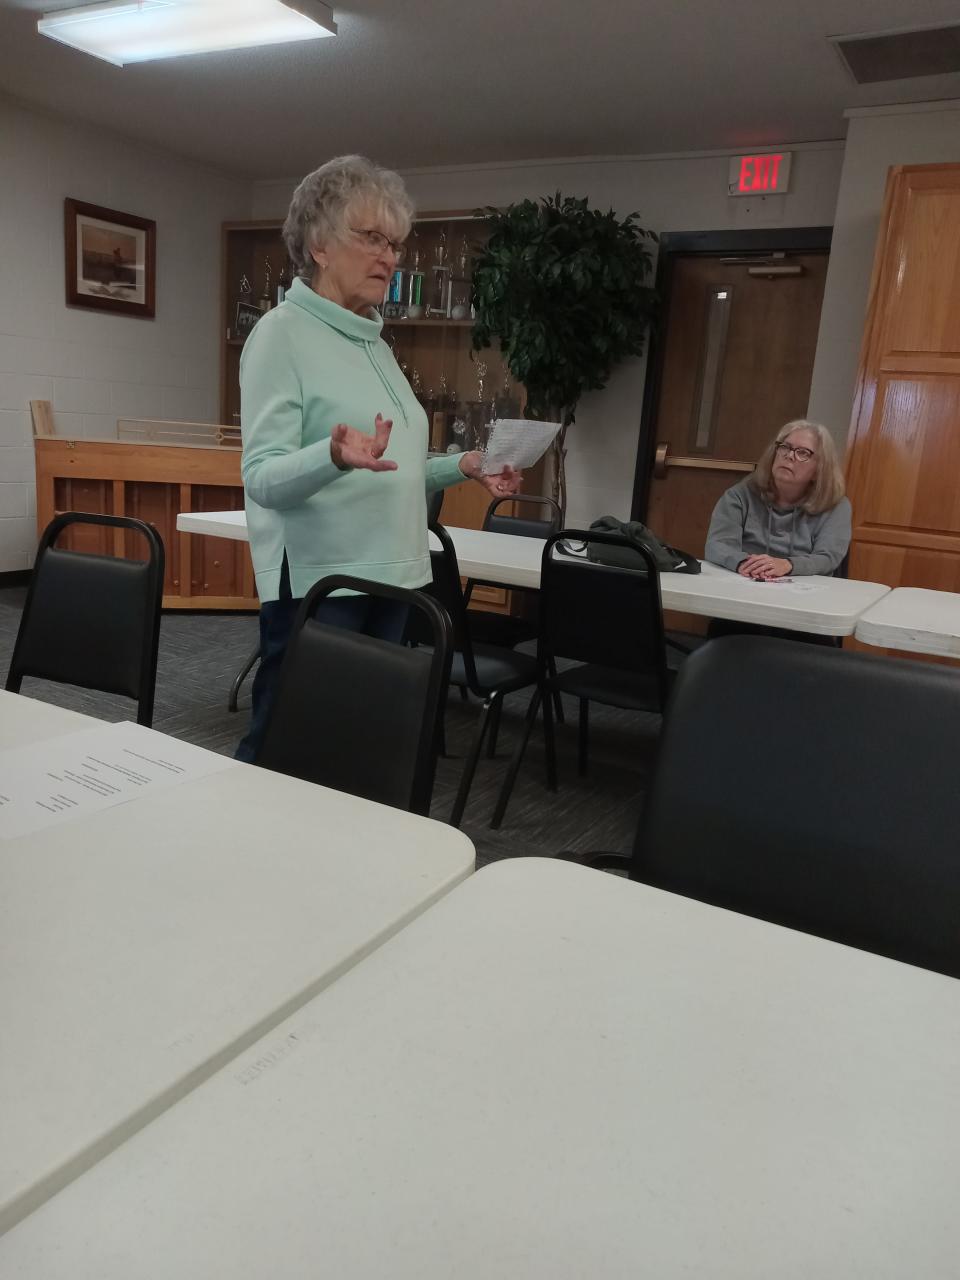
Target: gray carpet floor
200, 654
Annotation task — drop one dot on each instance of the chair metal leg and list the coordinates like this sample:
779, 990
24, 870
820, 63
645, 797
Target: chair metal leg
494, 728
470, 765
241, 675
583, 736
506, 789
557, 699
550, 744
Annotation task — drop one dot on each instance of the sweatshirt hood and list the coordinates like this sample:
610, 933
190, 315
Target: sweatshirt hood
361, 328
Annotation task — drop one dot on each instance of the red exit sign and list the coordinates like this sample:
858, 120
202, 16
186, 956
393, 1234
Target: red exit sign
766, 174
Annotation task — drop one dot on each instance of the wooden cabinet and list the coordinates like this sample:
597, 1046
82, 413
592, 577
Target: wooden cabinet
431, 338
253, 254
152, 482
904, 449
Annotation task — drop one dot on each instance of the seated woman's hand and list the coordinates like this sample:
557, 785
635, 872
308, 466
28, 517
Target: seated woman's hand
501, 483
764, 568
352, 448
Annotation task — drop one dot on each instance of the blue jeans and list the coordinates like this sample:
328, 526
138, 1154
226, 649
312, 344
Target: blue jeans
385, 619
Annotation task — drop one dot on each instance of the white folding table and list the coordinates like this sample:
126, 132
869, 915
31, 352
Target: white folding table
143, 947
553, 1072
916, 620
25, 720
821, 606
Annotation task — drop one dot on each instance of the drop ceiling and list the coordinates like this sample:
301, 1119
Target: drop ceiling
418, 83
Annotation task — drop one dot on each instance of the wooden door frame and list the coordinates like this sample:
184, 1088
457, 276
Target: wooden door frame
674, 244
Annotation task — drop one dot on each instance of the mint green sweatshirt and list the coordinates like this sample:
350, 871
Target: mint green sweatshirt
306, 366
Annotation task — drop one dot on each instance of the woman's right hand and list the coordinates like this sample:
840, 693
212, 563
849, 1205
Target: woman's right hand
352, 448
764, 568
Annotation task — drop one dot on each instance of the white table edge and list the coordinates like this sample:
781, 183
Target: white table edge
22, 1205
884, 635
233, 525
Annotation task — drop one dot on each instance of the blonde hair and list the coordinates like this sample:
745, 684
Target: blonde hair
826, 488
326, 199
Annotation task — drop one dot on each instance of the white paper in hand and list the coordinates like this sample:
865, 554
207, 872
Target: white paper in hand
517, 442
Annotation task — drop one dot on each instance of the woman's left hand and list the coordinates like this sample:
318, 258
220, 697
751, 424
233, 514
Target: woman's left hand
501, 484
765, 568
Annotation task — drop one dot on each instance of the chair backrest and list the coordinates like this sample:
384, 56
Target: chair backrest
434, 506
93, 620
358, 713
446, 589
599, 614
524, 526
816, 789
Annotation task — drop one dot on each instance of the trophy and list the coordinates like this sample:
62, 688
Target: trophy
505, 394
266, 301
441, 277
246, 288
438, 418
459, 429
415, 306
481, 374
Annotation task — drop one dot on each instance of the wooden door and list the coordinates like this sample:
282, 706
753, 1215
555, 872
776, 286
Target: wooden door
903, 461
740, 339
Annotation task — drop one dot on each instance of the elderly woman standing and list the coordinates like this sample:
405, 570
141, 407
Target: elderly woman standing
790, 516
335, 465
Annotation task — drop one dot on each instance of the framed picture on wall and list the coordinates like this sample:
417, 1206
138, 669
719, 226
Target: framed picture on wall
111, 259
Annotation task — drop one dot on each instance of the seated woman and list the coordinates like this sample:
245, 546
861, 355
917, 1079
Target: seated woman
790, 517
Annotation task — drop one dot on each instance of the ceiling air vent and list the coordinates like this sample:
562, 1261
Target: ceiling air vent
901, 55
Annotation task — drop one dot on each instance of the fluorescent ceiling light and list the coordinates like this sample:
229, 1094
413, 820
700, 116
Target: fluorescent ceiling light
123, 31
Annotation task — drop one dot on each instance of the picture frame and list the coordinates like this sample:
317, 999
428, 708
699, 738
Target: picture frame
110, 259
246, 317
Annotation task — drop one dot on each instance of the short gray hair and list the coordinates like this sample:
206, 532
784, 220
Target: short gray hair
325, 200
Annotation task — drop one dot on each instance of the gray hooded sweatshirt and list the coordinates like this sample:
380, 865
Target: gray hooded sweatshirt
745, 524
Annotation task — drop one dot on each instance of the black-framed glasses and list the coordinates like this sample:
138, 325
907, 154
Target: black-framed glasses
799, 452
378, 243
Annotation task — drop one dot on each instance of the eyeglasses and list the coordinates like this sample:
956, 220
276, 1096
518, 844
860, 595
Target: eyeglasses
377, 243
801, 454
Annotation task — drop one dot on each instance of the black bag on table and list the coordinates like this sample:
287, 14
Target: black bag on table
667, 559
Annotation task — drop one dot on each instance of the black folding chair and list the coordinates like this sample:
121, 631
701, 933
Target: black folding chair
93, 620
434, 503
488, 671
357, 713
509, 630
524, 526
815, 789
609, 621
497, 628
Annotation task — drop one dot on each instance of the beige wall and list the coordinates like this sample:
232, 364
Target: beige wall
94, 367
671, 193
878, 138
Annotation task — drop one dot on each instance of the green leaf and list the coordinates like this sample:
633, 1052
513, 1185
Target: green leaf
564, 289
